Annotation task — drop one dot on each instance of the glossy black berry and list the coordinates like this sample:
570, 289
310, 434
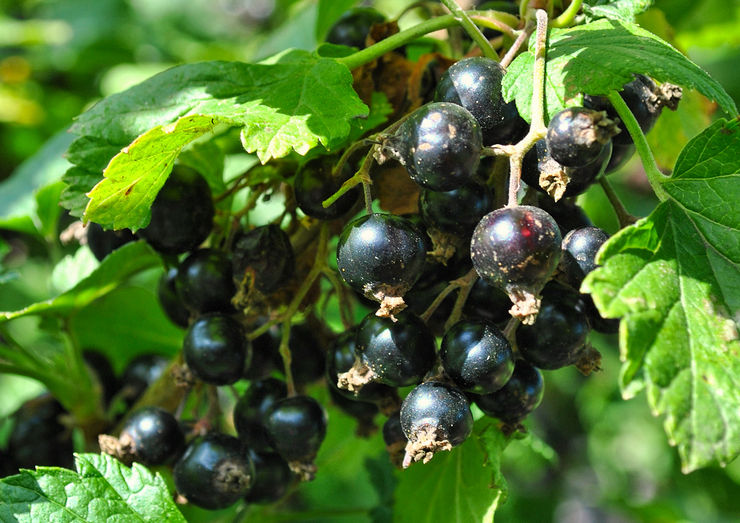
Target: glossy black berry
272, 477
140, 374
170, 301
265, 355
516, 246
559, 333
340, 358
353, 27
216, 349
102, 242
487, 302
38, 436
214, 472
567, 214
263, 258
308, 356
476, 356
439, 144
103, 372
250, 409
363, 411
457, 211
182, 213
520, 396
434, 416
204, 281
621, 154
380, 255
392, 431
579, 253
314, 183
153, 436
576, 136
296, 427
398, 353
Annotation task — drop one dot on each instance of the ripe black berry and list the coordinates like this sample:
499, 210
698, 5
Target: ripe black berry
171, 303
216, 349
339, 359
556, 338
520, 396
272, 477
140, 374
440, 145
263, 258
579, 253
250, 410
397, 353
204, 281
517, 249
394, 439
621, 154
214, 472
363, 411
296, 427
153, 436
380, 255
103, 372
353, 27
314, 183
182, 213
477, 356
102, 242
456, 211
308, 362
434, 416
576, 135
567, 214
487, 302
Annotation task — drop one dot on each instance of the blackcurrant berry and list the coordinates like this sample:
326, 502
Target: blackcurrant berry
314, 183
296, 427
517, 249
579, 253
567, 214
576, 136
216, 349
364, 412
250, 410
214, 472
171, 303
396, 353
140, 374
265, 355
520, 396
353, 27
308, 357
558, 335
263, 258
439, 144
394, 439
456, 211
487, 302
272, 477
339, 359
477, 356
152, 436
381, 255
621, 154
102, 371
434, 417
102, 242
204, 281
182, 213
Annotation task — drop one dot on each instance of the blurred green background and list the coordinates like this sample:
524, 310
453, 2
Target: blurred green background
590, 456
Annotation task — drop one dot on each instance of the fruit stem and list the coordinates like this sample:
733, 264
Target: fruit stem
655, 177
625, 218
345, 305
514, 49
465, 285
463, 19
566, 17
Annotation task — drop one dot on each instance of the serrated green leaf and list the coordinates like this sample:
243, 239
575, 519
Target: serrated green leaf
136, 174
116, 268
675, 278
624, 10
73, 268
459, 486
103, 489
601, 57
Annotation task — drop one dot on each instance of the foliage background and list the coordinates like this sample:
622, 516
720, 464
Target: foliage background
590, 455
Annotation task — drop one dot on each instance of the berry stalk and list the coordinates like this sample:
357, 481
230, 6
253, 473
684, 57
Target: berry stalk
464, 20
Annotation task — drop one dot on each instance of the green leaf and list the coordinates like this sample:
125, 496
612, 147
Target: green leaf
72, 269
624, 10
102, 489
279, 103
116, 268
459, 486
329, 12
380, 109
601, 57
48, 209
208, 159
674, 277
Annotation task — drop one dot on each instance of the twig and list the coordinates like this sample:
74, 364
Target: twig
625, 218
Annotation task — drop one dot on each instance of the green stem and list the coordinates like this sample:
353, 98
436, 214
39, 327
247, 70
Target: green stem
462, 17
466, 285
624, 217
514, 49
654, 176
567, 16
